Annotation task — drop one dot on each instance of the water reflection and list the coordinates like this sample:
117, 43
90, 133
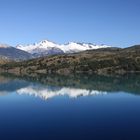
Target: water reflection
101, 113
46, 92
9, 84
45, 87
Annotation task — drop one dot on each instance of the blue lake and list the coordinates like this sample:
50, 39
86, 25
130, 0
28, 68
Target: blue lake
74, 107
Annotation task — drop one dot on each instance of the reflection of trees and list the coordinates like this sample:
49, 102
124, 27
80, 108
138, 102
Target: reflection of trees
9, 84
126, 83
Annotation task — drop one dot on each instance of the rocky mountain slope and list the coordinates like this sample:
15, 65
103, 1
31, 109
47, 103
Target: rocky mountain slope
8, 53
4, 60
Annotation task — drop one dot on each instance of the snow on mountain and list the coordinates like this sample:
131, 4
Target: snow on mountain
34, 48
42, 48
77, 47
46, 47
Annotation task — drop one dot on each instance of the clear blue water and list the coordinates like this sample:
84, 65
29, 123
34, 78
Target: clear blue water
75, 108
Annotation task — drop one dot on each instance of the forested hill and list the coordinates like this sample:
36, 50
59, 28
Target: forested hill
101, 61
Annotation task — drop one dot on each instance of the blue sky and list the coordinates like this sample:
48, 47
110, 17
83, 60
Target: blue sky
111, 22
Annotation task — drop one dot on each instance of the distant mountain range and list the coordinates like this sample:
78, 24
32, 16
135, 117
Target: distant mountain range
43, 48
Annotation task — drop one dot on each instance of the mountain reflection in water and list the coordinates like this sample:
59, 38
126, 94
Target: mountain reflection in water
49, 86
104, 107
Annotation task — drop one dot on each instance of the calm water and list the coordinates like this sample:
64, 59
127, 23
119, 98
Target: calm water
75, 108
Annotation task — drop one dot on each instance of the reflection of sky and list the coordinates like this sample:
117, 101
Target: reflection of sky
2, 93
46, 92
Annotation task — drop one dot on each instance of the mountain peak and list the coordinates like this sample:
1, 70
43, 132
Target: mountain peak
46, 43
46, 46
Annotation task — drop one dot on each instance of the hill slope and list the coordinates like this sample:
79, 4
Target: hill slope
12, 53
101, 61
4, 60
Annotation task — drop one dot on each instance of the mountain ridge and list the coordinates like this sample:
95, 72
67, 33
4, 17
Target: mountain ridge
46, 46
42, 49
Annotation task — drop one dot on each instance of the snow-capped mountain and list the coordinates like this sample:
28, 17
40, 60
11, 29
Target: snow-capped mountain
73, 47
42, 48
46, 47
